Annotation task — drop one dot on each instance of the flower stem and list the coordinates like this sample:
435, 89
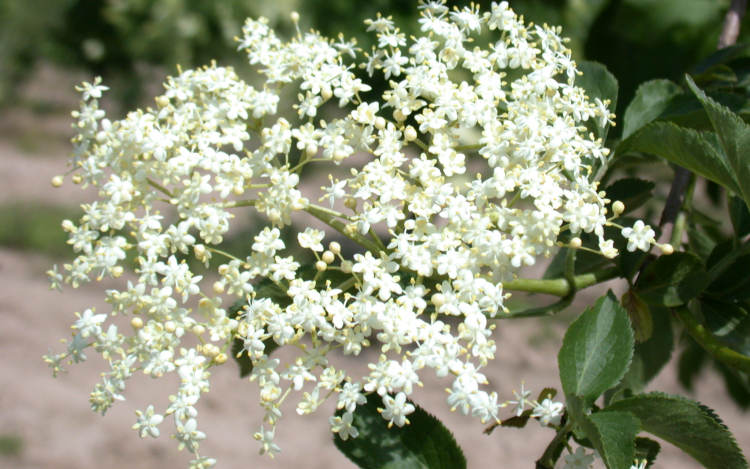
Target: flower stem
709, 342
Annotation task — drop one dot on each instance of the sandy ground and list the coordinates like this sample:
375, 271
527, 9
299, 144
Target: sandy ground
57, 429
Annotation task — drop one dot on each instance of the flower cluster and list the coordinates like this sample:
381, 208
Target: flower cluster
170, 178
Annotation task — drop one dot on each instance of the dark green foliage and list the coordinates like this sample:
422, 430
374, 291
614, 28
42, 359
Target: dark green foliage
672, 280
422, 444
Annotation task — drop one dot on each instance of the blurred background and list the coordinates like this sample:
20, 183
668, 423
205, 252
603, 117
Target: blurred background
49, 46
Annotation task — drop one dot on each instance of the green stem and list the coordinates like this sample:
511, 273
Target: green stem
681, 220
710, 343
241, 203
547, 461
161, 188
561, 286
325, 216
474, 146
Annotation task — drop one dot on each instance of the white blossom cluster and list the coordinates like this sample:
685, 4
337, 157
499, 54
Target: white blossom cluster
213, 146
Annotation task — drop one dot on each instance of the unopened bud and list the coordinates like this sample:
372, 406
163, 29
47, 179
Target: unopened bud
618, 207
321, 266
162, 101
328, 257
170, 326
338, 156
198, 330
238, 190
117, 271
57, 181
576, 243
410, 134
438, 299
218, 288
326, 93
335, 247
221, 358
77, 179
346, 267
350, 203
667, 249
136, 323
311, 149
379, 123
294, 16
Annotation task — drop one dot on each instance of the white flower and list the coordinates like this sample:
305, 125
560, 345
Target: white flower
396, 410
343, 426
147, 423
266, 440
189, 436
579, 459
640, 236
521, 400
548, 412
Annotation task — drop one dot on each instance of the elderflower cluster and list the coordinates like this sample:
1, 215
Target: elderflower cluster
170, 179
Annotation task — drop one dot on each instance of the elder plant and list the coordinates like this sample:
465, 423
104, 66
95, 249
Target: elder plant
420, 256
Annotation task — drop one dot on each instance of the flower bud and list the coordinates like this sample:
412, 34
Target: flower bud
328, 257
338, 156
576, 242
238, 190
294, 16
136, 323
379, 123
311, 149
221, 358
77, 179
321, 266
162, 101
326, 93
410, 134
618, 207
438, 299
57, 181
68, 226
350, 203
198, 330
218, 288
117, 271
667, 249
170, 326
335, 247
346, 267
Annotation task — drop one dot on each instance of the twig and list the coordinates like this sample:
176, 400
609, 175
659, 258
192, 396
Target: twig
731, 29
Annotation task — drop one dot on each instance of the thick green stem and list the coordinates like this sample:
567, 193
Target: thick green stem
710, 343
560, 286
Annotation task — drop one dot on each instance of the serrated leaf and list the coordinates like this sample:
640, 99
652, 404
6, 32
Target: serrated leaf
596, 350
740, 216
728, 322
684, 424
648, 449
649, 102
734, 135
424, 443
632, 192
617, 432
652, 355
600, 84
611, 433
672, 280
701, 153
639, 314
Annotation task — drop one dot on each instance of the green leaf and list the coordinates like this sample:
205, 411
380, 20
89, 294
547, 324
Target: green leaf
611, 433
734, 136
692, 361
720, 57
740, 216
424, 443
599, 84
733, 283
650, 100
728, 322
632, 192
700, 243
737, 383
596, 350
700, 153
683, 423
648, 449
687, 111
650, 357
672, 280
639, 314
586, 261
